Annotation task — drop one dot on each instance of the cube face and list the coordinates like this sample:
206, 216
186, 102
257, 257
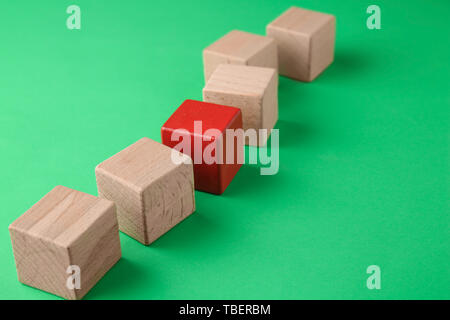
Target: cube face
322, 48
254, 90
192, 121
41, 264
240, 48
305, 42
152, 192
65, 228
212, 59
128, 202
169, 200
97, 250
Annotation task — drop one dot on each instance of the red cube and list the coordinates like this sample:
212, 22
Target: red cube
199, 129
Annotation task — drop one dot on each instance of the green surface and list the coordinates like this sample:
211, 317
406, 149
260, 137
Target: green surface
364, 149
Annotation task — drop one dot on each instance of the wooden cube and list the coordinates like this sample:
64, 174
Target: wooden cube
195, 120
254, 90
65, 228
242, 48
151, 192
305, 42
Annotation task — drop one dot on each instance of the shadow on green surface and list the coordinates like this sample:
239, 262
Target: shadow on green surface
123, 277
348, 65
294, 134
249, 183
193, 233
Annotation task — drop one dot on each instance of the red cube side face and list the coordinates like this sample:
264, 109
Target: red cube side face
199, 129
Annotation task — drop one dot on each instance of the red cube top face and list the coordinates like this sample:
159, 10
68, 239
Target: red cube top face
201, 123
213, 116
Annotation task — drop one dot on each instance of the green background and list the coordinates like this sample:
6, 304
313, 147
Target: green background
364, 149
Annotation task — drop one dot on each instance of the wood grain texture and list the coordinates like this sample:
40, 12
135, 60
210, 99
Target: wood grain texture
66, 227
252, 89
151, 192
305, 41
241, 48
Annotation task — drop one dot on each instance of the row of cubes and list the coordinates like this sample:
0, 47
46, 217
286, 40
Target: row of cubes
142, 190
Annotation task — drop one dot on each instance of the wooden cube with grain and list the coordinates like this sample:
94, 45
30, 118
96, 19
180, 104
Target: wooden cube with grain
67, 235
152, 192
254, 90
242, 48
305, 41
